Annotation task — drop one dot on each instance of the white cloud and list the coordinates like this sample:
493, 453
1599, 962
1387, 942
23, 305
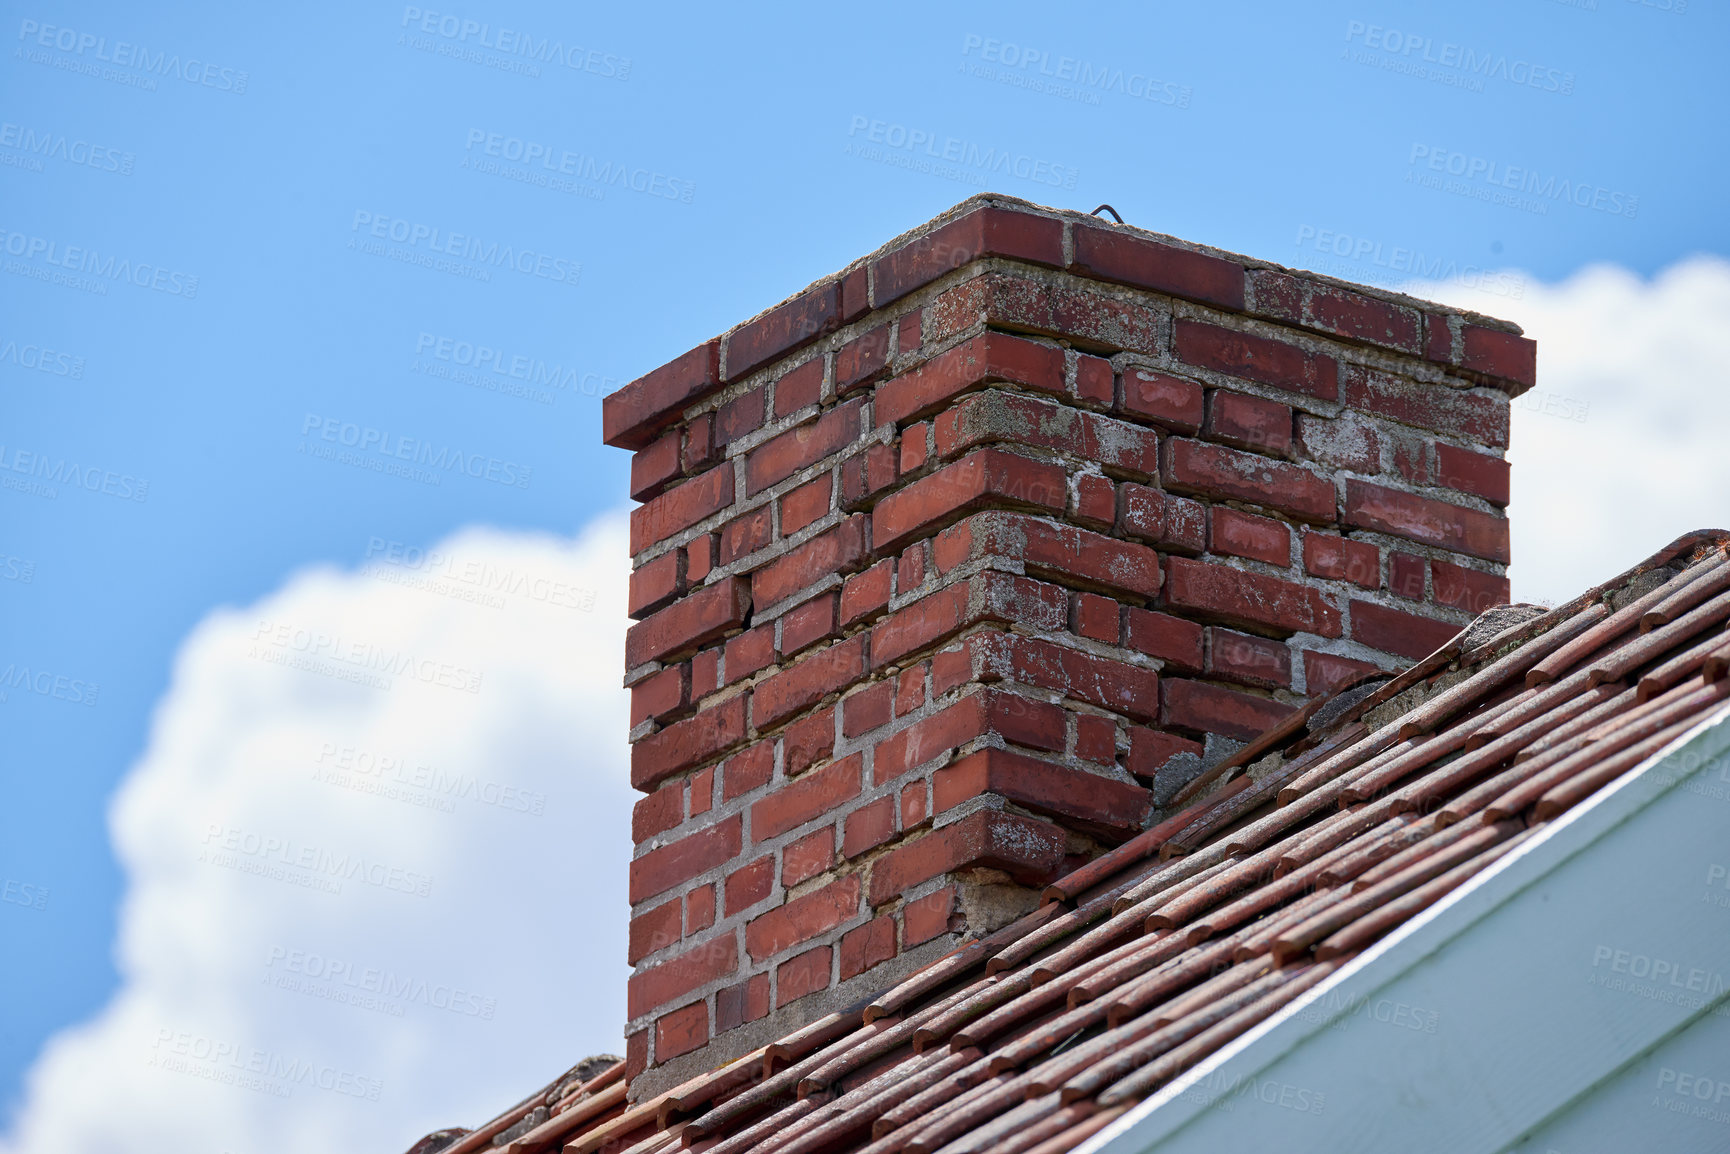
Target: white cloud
1620, 448
487, 857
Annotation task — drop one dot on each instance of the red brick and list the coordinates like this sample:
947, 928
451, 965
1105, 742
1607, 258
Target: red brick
673, 979
700, 909
1165, 400
1074, 556
1353, 315
833, 551
705, 673
866, 593
927, 917
1239, 598
1500, 354
702, 791
1247, 659
1173, 640
679, 508
864, 475
783, 329
1439, 337
653, 466
799, 387
1095, 382
1036, 724
655, 583
659, 870
1213, 709
871, 944
983, 476
1114, 255
1412, 457
1406, 576
914, 449
750, 652
746, 1002
1249, 422
686, 624
1326, 672
1095, 739
806, 974
1469, 472
1216, 471
1095, 502
1342, 559
1099, 681
1031, 851
653, 932
797, 802
807, 742
806, 504
739, 416
636, 1053
1176, 523
909, 332
802, 919
776, 460
989, 596
995, 416
910, 569
1043, 787
915, 805
1342, 443
810, 623
1469, 589
748, 770
855, 294
659, 812
699, 447
1392, 631
864, 711
1426, 521
807, 682
1096, 617
681, 1031
1246, 535
909, 690
1066, 308
747, 886
1256, 358
743, 536
987, 358
660, 694
861, 359
868, 827
700, 556
1151, 749
808, 857
632, 416
983, 232
686, 743
1472, 414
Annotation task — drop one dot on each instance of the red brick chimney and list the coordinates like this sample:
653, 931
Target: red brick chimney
951, 569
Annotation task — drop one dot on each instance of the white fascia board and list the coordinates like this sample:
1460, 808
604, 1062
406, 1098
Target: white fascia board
1587, 950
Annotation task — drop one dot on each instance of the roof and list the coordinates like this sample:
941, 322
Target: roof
1311, 844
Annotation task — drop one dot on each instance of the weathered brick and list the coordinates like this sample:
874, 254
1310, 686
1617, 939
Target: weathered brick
1471, 590
998, 417
1213, 709
914, 449
747, 770
1095, 739
681, 1031
1342, 443
1096, 617
661, 694
1043, 787
807, 857
910, 568
808, 503
659, 870
699, 909
744, 535
1246, 535
909, 332
676, 977
1173, 640
871, 944
868, 827
750, 652
1235, 597
861, 359
805, 798
1256, 358
1427, 521
983, 232
780, 458
1100, 681
915, 805
1394, 631
807, 742
986, 358
1173, 522
1339, 311
866, 593
1151, 749
688, 623
655, 583
658, 813
806, 974
1500, 354
855, 294
802, 919
1003, 597
925, 918
1248, 659
686, 743
1031, 851
747, 886
654, 931
1469, 472
654, 465
1114, 255
1248, 422
699, 449
705, 673
746, 1002
700, 556
1069, 309
807, 681
864, 475
910, 690
799, 387
1216, 471
1074, 556
681, 507
1406, 576
985, 475
782, 329
1342, 559
702, 791
739, 416
1326, 672
870, 707
1095, 381
1095, 501
834, 551
632, 416
810, 623
1475, 414
1165, 400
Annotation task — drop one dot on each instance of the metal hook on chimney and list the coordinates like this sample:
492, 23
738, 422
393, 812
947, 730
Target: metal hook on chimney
1107, 208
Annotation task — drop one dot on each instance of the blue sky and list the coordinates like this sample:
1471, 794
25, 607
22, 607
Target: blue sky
222, 222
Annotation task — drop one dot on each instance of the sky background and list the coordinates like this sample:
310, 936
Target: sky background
196, 209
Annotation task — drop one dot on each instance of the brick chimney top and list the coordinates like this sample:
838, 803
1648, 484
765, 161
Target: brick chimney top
960, 566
